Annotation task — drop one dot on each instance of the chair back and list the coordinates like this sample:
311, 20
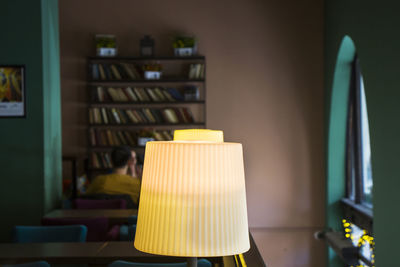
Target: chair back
29, 264
127, 198
40, 234
132, 219
81, 203
97, 228
200, 263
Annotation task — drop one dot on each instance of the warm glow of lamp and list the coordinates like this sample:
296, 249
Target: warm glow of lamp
193, 198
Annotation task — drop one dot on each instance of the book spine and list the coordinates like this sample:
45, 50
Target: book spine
144, 95
102, 72
138, 116
149, 115
95, 72
115, 138
104, 114
116, 117
115, 73
91, 116
168, 96
132, 95
95, 161
107, 71
92, 137
142, 116
103, 138
152, 95
122, 116
188, 114
178, 113
122, 138
107, 160
170, 115
109, 138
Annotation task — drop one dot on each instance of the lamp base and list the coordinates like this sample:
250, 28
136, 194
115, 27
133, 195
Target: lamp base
192, 262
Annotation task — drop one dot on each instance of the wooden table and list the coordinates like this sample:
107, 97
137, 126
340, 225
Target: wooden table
97, 253
115, 216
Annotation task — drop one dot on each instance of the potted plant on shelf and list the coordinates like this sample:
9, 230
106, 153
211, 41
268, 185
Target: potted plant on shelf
152, 71
145, 136
184, 45
106, 45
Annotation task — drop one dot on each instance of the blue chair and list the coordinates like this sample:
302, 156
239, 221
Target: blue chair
127, 232
200, 263
132, 219
40, 234
29, 264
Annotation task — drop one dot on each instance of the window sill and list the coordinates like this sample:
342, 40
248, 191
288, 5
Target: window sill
358, 214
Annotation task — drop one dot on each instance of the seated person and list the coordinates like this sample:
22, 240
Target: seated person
119, 181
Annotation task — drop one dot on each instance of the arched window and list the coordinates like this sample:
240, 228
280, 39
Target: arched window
349, 194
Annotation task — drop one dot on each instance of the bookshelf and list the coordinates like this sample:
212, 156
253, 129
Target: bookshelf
123, 106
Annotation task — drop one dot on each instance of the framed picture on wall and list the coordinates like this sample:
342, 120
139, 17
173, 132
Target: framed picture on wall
12, 91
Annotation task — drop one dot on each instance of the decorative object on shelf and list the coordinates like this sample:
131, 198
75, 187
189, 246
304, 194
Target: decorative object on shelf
145, 136
185, 199
152, 71
191, 93
147, 46
184, 46
106, 45
12, 91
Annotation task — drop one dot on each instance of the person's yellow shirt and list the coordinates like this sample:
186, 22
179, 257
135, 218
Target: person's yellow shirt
116, 184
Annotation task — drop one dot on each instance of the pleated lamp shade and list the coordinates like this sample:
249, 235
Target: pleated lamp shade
193, 199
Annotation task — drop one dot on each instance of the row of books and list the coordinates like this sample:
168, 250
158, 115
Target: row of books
128, 71
101, 160
140, 94
196, 71
140, 116
129, 138
116, 71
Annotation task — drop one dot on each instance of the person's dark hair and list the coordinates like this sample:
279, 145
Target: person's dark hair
120, 156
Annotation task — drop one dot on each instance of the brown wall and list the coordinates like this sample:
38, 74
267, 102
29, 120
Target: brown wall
264, 89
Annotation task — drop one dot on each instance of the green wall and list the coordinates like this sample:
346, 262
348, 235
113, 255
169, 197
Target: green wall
30, 154
51, 104
336, 152
373, 26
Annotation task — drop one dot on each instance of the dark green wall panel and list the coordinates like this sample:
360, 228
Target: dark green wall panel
24, 142
373, 26
51, 105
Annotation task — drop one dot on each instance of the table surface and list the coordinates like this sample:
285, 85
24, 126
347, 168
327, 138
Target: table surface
114, 215
95, 253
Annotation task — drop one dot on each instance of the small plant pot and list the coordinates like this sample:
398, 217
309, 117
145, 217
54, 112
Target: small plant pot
106, 52
152, 75
143, 140
184, 51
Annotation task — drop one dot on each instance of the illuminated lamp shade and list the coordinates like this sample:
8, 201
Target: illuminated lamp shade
193, 197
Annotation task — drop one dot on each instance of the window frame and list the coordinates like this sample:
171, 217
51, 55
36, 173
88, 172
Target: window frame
354, 209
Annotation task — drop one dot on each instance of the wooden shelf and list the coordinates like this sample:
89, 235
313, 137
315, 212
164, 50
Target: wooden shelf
110, 103
145, 124
122, 58
177, 70
111, 147
119, 82
99, 169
